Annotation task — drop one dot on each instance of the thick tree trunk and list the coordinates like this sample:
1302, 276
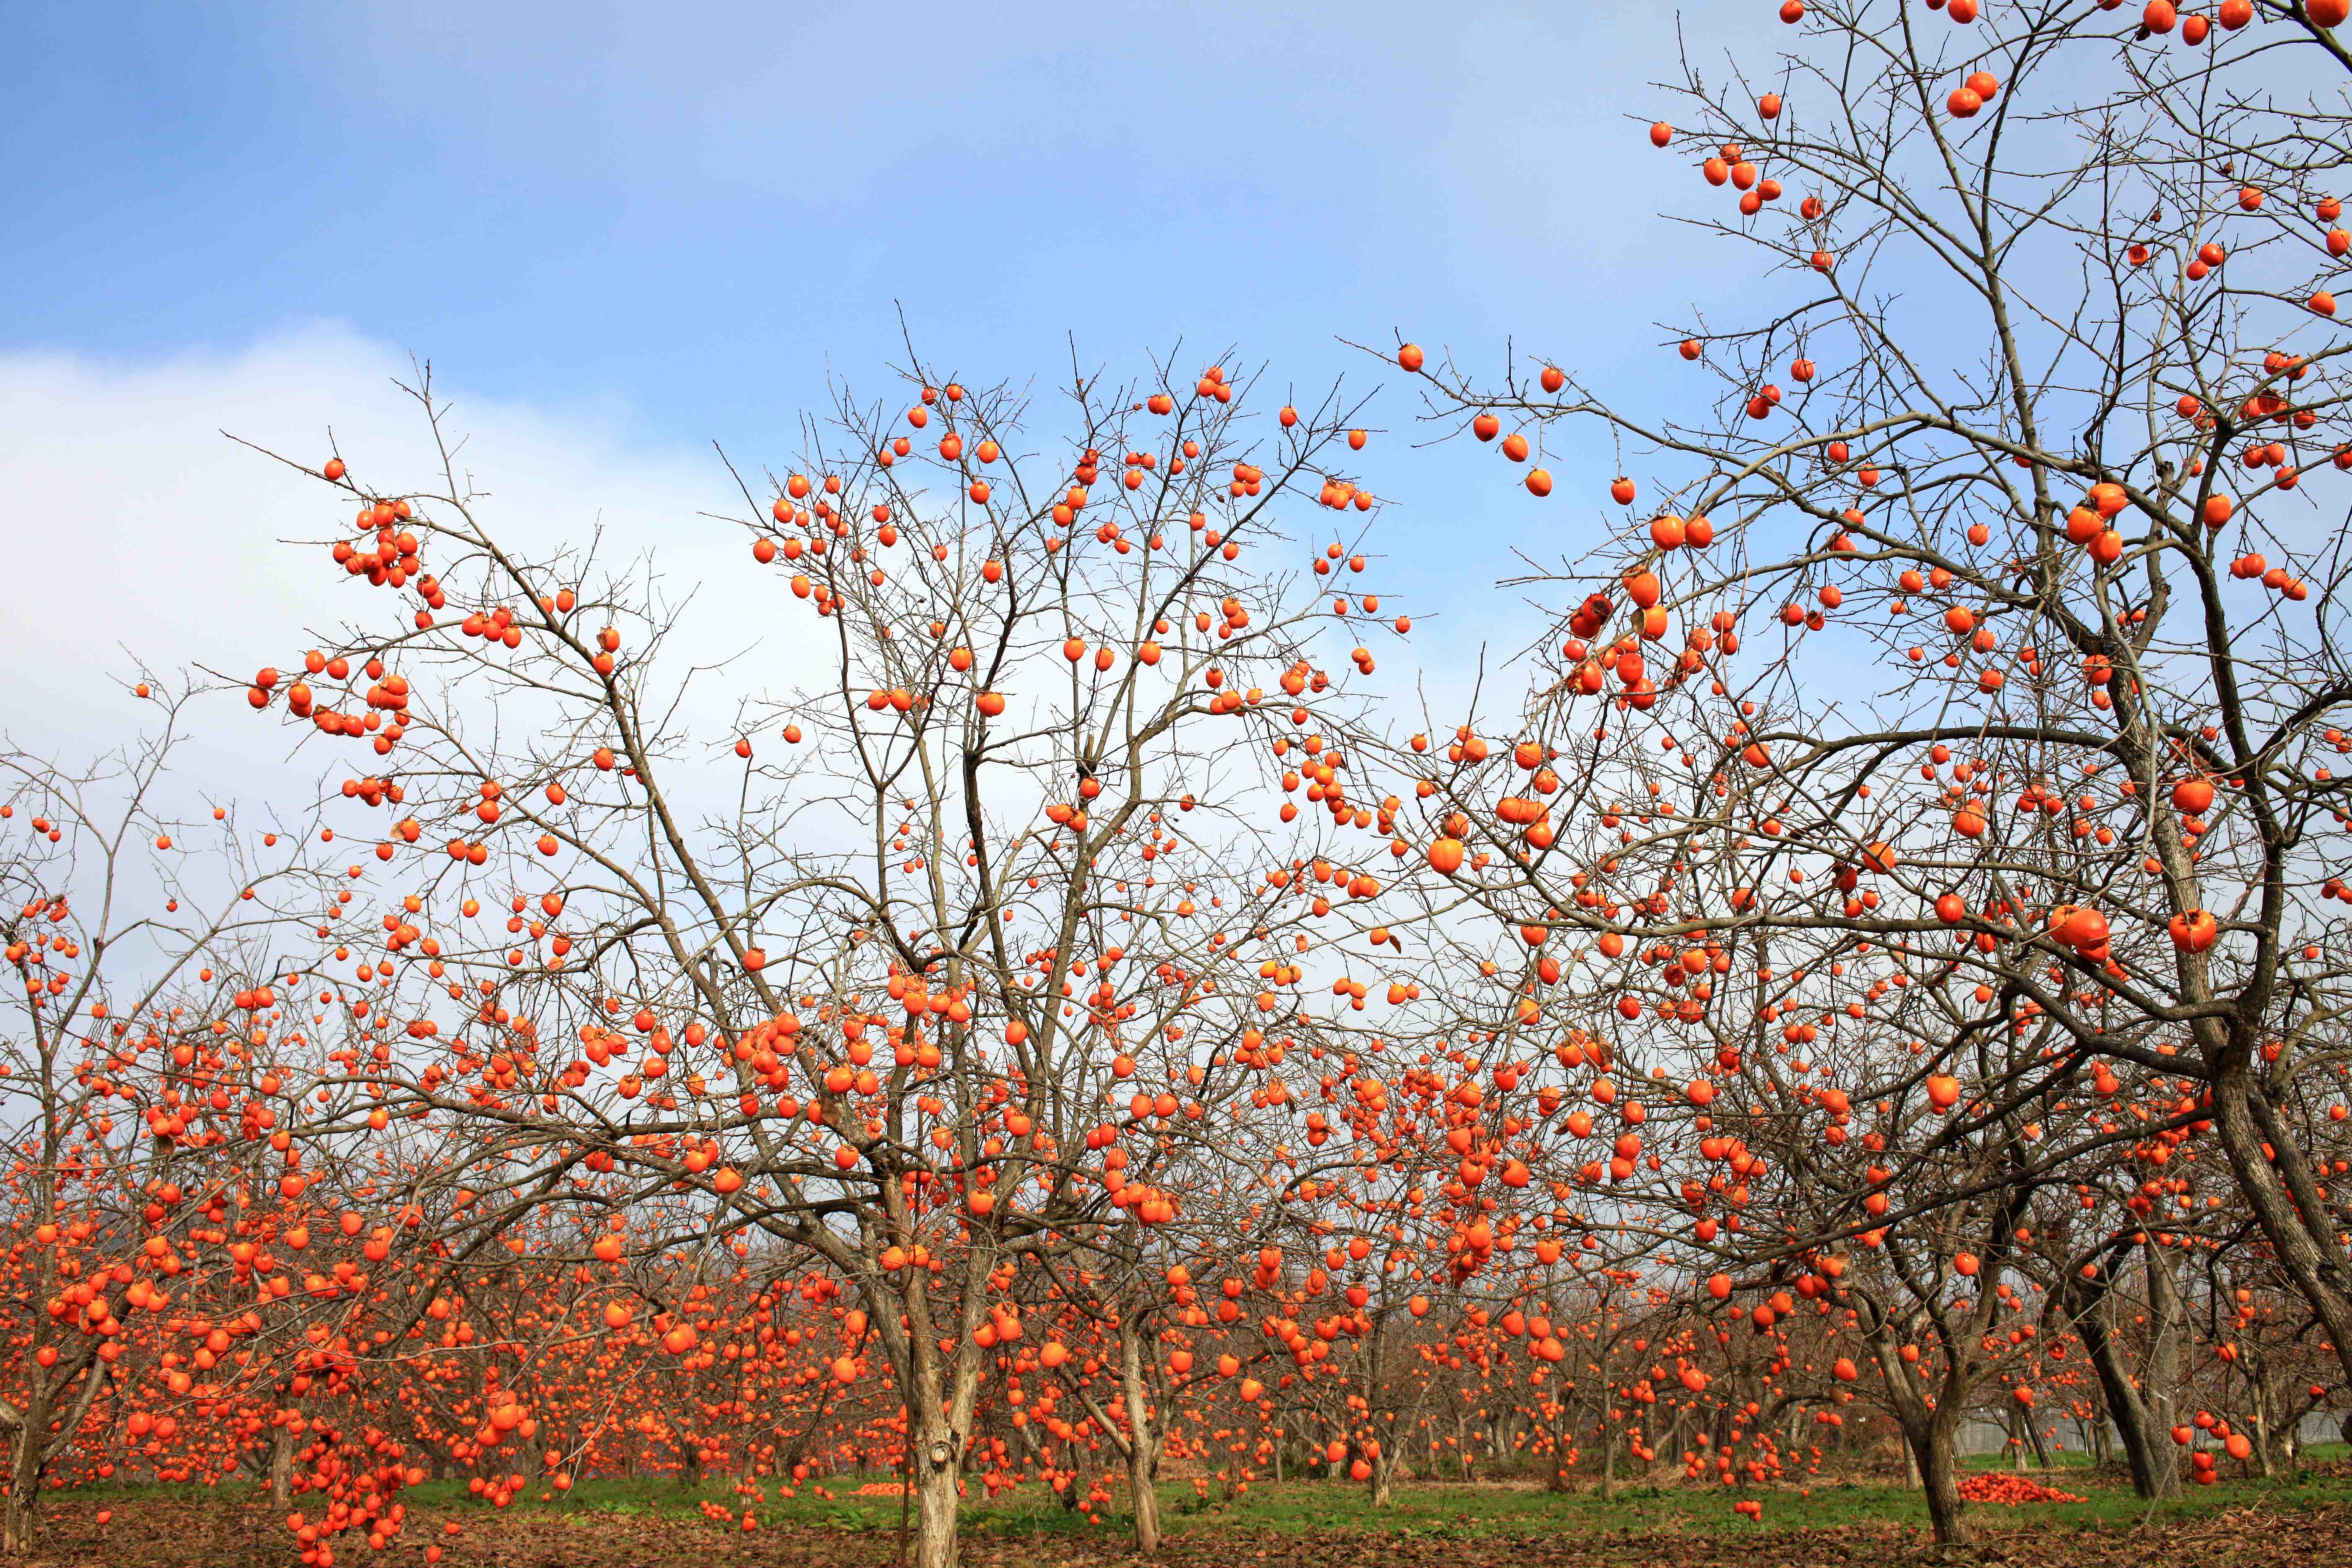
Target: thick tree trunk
938, 1370
2280, 1189
1940, 1479
282, 1467
2142, 1408
16, 1530
1383, 1481
935, 1503
24, 1470
1143, 1446
1146, 1499
1928, 1434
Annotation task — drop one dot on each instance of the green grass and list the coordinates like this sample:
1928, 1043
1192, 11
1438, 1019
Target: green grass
1438, 1509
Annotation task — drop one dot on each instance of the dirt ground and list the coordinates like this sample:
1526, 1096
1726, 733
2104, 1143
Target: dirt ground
150, 1533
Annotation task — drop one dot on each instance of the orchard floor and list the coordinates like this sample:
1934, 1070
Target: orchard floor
2305, 1520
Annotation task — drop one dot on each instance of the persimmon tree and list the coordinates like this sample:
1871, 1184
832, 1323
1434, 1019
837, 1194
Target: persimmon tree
150, 941
896, 984
1959, 677
1059, 1019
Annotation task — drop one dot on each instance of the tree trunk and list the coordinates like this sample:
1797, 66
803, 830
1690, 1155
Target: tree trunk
936, 1502
25, 1475
1926, 1433
2143, 1411
938, 1374
1931, 1444
2263, 1403
1142, 1448
1383, 1481
16, 1530
282, 1467
2276, 1179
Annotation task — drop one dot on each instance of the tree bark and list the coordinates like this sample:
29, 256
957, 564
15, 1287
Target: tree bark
51, 1396
282, 1467
1927, 1433
938, 1375
2264, 1406
2276, 1180
1931, 1444
936, 1502
2143, 1410
1142, 1447
25, 1474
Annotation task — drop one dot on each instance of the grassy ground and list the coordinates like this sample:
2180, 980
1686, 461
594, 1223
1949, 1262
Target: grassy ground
1506, 1507
2305, 1519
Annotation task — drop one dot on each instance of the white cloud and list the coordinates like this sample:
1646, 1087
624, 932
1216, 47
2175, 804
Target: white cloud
131, 529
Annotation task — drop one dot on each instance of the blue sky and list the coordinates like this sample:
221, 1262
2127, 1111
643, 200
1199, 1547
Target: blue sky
655, 227
687, 209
